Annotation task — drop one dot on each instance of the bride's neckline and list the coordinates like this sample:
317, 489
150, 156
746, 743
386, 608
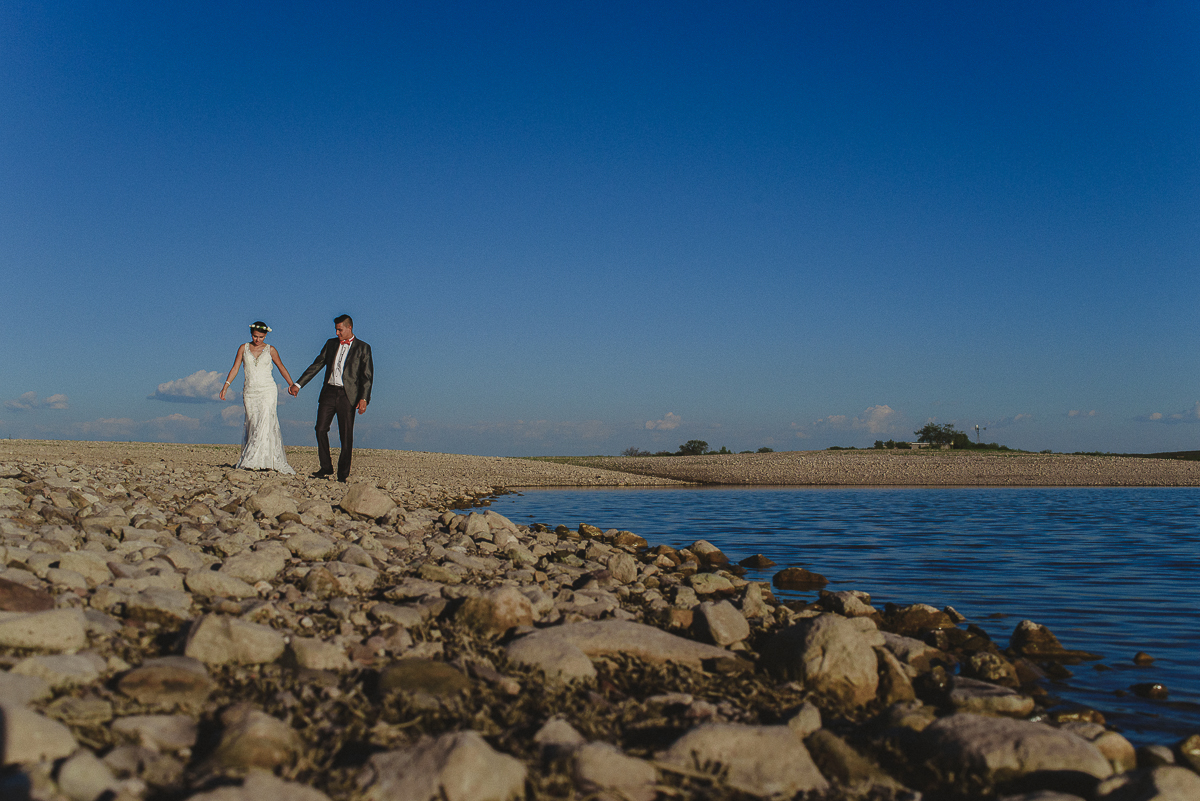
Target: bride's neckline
250, 350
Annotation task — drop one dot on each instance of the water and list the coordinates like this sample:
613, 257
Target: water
1113, 571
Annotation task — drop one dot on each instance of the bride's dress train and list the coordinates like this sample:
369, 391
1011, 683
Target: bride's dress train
262, 443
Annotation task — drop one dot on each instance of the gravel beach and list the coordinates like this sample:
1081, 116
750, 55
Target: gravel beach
172, 628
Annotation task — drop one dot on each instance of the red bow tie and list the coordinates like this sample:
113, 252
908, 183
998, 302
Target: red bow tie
345, 341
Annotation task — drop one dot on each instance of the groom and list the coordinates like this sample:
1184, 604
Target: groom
347, 386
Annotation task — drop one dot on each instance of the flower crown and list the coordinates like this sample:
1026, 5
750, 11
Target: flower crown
266, 329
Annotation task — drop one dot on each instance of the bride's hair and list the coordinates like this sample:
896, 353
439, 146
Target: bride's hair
259, 325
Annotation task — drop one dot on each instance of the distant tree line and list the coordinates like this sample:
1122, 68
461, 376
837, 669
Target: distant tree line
942, 435
693, 447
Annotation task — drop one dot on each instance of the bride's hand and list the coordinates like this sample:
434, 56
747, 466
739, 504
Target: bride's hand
222, 395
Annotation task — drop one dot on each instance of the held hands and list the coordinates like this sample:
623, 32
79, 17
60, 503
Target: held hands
294, 390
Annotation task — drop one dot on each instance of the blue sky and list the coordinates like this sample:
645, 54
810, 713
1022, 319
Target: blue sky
572, 228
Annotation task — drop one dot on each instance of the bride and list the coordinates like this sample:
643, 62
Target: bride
262, 445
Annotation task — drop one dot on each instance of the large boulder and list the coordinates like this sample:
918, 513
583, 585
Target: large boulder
996, 751
761, 760
365, 500
830, 654
218, 640
563, 652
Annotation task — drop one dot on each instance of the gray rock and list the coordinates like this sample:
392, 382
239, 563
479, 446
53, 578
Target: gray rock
87, 564
352, 579
454, 767
62, 670
20, 690
984, 698
753, 604
311, 547
271, 504
806, 720
762, 760
255, 566
253, 739
563, 651
365, 500
55, 630
186, 559
915, 653
557, 738
259, 785
710, 583
166, 607
159, 732
84, 777
216, 584
600, 767
830, 655
721, 623
168, 681
1116, 749
991, 749
314, 654
217, 640
1165, 783
407, 616
848, 603
624, 568
30, 737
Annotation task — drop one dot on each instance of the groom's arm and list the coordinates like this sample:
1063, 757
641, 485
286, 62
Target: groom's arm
367, 375
315, 367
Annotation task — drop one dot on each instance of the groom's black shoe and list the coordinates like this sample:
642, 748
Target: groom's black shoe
322, 474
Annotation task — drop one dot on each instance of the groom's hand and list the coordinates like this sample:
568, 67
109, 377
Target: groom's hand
294, 390
362, 406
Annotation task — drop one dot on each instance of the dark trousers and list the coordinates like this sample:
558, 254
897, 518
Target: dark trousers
334, 401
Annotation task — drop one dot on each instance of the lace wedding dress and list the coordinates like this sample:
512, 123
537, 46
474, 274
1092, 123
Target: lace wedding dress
262, 444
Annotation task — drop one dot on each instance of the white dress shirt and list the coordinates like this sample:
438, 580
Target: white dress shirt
335, 375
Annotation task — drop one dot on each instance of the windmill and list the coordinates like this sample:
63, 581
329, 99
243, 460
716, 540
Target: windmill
977, 430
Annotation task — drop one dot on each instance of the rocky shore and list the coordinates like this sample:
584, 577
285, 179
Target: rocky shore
171, 628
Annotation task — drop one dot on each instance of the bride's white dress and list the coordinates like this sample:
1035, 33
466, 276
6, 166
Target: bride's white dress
262, 444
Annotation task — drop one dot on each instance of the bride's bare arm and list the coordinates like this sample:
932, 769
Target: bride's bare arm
237, 362
279, 363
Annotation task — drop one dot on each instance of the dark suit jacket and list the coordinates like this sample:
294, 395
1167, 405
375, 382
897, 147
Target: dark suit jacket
357, 372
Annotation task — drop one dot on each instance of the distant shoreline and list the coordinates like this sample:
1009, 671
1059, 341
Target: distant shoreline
842, 468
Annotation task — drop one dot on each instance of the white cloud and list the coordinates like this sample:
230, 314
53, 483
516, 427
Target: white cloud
233, 416
202, 386
670, 421
1191, 415
874, 419
1082, 413
29, 401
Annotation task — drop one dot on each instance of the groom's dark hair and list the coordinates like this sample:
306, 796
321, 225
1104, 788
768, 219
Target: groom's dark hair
344, 318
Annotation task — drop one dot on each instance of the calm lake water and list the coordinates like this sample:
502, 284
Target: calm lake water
1113, 571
